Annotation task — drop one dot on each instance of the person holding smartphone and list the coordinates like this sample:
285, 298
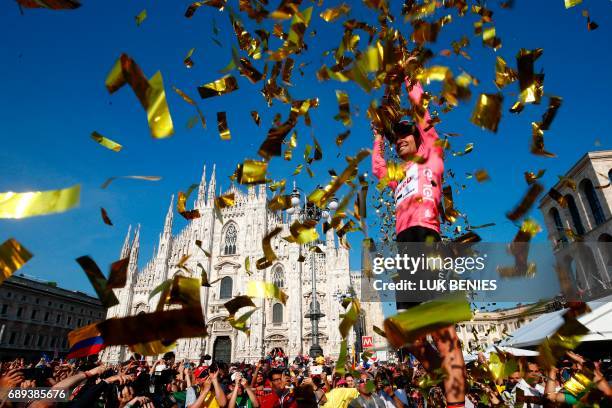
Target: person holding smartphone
241, 394
208, 392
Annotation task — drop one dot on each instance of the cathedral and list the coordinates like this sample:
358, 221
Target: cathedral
230, 239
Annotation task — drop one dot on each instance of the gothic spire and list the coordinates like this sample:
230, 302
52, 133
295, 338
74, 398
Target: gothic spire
212, 185
263, 195
201, 201
125, 249
169, 218
135, 249
330, 240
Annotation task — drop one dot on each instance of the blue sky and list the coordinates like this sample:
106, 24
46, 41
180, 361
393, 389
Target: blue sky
54, 65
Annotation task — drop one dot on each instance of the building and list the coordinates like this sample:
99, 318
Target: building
584, 214
488, 328
371, 315
36, 316
229, 240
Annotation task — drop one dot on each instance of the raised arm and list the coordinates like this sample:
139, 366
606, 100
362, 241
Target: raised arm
379, 165
428, 132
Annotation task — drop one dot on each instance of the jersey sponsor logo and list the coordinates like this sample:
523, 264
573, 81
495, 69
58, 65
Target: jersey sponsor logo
408, 186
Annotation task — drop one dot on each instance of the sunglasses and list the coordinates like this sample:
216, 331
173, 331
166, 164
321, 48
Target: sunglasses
401, 129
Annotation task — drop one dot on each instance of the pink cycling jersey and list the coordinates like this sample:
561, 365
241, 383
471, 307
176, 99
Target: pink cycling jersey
417, 197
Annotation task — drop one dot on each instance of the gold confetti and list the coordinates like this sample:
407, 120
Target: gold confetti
577, 384
222, 126
152, 348
109, 144
167, 325
12, 257
240, 323
117, 278
344, 114
105, 217
379, 331
265, 290
181, 204
537, 141
303, 233
279, 202
553, 105
567, 337
219, 4
558, 197
591, 25
224, 201
238, 303
450, 213
332, 14
141, 17
50, 4
407, 326
487, 112
572, 3
350, 317
287, 70
342, 357
247, 265
321, 197
435, 73
251, 172
482, 175
111, 179
219, 87
256, 118
150, 93
30, 204
98, 281
503, 74
526, 203
468, 149
342, 137
531, 177
530, 84
188, 61
269, 255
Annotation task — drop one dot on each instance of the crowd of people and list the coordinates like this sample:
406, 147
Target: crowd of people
277, 382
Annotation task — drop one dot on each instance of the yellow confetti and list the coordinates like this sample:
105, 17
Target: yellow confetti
219, 87
487, 112
265, 290
30, 204
108, 143
141, 17
222, 126
12, 257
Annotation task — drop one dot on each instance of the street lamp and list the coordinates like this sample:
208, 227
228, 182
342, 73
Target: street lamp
308, 211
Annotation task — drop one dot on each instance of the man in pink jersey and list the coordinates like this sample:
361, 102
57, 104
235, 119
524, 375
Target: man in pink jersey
417, 219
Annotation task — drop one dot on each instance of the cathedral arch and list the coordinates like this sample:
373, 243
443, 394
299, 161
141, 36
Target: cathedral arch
225, 288
586, 186
277, 313
278, 276
229, 241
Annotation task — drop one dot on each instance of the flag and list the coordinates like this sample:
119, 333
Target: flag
85, 341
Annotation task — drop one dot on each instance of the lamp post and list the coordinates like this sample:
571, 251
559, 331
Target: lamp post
308, 211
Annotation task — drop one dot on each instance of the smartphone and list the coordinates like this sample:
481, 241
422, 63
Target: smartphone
29, 373
316, 370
